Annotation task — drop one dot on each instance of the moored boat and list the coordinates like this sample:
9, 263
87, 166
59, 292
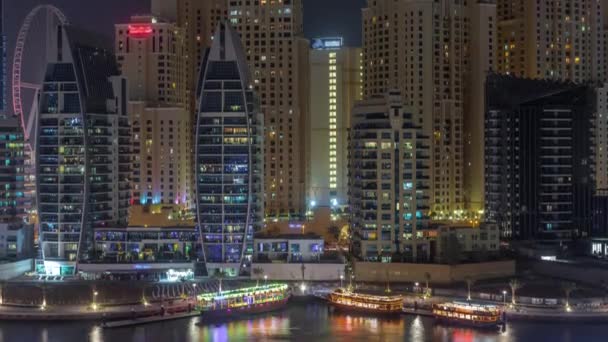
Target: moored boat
365, 303
468, 314
244, 301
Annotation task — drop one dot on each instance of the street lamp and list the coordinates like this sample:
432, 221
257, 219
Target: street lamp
265, 279
341, 280
504, 297
94, 305
194, 290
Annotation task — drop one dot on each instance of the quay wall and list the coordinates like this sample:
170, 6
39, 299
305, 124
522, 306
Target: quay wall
439, 274
312, 272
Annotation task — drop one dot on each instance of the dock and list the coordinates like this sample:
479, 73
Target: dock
149, 319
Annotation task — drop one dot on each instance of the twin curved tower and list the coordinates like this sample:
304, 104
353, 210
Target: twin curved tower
82, 149
228, 161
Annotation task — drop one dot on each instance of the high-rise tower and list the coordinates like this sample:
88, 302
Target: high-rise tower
149, 51
335, 79
420, 48
559, 40
277, 55
83, 156
229, 156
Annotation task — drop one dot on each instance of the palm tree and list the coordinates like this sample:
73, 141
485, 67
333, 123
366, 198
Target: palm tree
427, 278
219, 275
470, 282
568, 288
515, 285
257, 272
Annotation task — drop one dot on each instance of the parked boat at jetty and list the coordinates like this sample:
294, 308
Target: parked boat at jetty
358, 302
244, 301
468, 314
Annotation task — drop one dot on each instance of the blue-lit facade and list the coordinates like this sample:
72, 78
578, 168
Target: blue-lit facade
229, 159
82, 161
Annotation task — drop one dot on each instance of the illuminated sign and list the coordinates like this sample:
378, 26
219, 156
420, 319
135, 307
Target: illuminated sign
140, 31
327, 43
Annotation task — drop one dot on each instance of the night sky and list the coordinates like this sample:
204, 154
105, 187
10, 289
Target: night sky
321, 17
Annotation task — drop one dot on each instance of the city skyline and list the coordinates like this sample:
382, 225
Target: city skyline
204, 161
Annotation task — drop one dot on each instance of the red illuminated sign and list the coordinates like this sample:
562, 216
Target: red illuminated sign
140, 31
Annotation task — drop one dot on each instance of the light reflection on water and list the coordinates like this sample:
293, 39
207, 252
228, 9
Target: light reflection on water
300, 322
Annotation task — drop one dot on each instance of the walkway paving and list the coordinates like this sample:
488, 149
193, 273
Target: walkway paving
76, 312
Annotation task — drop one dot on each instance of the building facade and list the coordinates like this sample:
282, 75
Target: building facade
83, 148
421, 48
601, 136
197, 21
540, 157
464, 243
482, 59
12, 171
229, 157
389, 181
558, 40
150, 54
277, 55
162, 154
335, 85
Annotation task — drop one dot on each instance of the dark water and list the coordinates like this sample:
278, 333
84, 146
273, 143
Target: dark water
300, 322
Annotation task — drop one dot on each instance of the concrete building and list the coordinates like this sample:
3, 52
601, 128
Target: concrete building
83, 145
147, 244
277, 55
421, 48
162, 155
540, 157
559, 40
288, 248
278, 59
229, 157
389, 181
482, 59
197, 21
600, 213
16, 241
149, 52
464, 243
335, 85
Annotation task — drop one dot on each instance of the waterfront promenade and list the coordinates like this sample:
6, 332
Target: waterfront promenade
82, 312
132, 305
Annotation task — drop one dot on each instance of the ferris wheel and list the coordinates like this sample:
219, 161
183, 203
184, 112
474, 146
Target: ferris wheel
30, 82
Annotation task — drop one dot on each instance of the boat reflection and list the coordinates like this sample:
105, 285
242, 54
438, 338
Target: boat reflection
276, 326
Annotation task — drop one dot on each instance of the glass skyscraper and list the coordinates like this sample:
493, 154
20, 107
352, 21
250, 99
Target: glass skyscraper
83, 157
229, 157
